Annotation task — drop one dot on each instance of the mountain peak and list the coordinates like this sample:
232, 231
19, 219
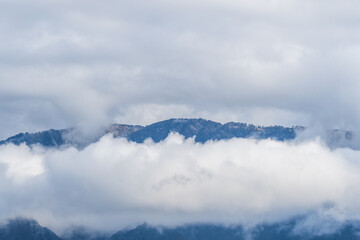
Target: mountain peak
22, 228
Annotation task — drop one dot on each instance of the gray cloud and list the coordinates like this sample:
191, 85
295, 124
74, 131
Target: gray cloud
114, 183
87, 63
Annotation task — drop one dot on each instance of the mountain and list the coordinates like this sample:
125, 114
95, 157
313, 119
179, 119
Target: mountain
202, 130
279, 231
25, 229
68, 137
205, 130
145, 232
49, 138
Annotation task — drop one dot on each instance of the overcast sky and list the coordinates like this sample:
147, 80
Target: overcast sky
89, 63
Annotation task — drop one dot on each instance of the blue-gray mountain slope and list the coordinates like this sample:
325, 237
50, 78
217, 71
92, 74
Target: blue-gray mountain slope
24, 229
30, 230
202, 130
68, 137
205, 130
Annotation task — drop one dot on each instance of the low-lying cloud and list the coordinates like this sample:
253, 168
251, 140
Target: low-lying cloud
115, 183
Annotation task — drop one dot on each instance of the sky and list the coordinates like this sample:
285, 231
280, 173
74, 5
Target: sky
89, 63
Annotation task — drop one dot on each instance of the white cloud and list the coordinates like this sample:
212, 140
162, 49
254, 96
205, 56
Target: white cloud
20, 163
115, 183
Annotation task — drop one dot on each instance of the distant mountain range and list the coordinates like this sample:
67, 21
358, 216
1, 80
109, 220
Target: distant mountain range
202, 130
25, 229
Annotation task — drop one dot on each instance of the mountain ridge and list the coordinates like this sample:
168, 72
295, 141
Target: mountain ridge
203, 130
29, 229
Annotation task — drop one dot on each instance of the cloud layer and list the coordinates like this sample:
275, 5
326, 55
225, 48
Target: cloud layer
87, 63
114, 183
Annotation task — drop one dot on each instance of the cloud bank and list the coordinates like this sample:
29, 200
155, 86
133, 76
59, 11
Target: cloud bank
113, 183
87, 63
